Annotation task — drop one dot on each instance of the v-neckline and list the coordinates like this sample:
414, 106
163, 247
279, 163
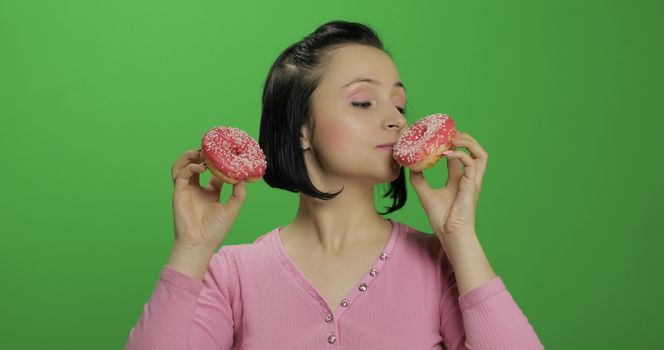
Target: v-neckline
358, 288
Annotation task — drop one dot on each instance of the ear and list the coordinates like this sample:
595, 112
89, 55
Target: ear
306, 137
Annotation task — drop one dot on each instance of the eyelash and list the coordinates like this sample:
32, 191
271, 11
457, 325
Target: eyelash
367, 104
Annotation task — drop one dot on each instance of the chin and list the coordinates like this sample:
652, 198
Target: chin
392, 173
396, 176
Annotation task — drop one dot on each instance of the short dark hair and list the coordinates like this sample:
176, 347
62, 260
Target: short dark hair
287, 106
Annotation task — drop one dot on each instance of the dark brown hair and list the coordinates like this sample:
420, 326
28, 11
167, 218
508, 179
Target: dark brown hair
287, 107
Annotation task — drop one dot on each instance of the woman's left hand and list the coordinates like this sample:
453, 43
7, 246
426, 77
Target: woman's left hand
451, 209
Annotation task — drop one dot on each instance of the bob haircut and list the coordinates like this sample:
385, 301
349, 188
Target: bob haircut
287, 106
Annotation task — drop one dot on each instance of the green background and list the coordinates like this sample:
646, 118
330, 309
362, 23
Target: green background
99, 98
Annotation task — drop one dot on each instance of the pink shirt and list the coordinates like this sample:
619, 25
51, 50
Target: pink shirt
254, 297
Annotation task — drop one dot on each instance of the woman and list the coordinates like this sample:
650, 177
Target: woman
339, 275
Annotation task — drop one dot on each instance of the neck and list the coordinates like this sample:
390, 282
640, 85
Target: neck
335, 225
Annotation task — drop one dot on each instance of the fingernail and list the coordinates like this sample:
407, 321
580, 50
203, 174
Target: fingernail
447, 152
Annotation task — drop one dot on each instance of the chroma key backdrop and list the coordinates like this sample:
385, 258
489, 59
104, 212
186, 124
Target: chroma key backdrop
98, 99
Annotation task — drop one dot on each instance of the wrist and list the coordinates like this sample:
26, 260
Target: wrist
190, 260
193, 248
456, 244
468, 260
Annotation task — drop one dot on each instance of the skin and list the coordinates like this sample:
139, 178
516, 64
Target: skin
343, 152
335, 242
346, 233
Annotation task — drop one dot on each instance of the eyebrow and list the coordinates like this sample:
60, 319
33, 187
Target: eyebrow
372, 81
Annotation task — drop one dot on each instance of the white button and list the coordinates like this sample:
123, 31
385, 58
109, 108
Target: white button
328, 318
373, 272
331, 339
345, 302
383, 256
363, 286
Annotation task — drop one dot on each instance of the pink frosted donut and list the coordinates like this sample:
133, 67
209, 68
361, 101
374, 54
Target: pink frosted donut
232, 155
422, 144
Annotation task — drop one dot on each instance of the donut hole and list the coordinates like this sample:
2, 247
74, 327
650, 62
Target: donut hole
418, 132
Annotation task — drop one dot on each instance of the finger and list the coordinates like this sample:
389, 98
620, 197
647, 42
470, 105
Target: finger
469, 167
215, 184
191, 156
465, 136
420, 185
236, 198
189, 175
476, 151
478, 154
454, 172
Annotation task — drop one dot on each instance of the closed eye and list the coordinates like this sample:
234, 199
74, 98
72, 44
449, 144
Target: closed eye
362, 104
368, 104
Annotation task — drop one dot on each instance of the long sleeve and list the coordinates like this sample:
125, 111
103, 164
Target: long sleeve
184, 313
486, 317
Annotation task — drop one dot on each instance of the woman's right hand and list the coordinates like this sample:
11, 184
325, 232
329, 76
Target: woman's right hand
201, 220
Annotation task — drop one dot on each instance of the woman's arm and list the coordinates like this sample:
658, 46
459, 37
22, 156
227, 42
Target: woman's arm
470, 264
184, 312
477, 311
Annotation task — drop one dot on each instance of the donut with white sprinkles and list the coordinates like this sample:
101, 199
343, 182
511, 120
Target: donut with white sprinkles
232, 155
421, 145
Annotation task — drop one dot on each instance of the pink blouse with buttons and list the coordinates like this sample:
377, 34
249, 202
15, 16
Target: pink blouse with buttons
254, 297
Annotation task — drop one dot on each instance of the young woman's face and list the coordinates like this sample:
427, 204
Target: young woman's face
353, 117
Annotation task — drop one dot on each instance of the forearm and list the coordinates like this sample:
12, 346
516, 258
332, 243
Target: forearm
488, 314
471, 266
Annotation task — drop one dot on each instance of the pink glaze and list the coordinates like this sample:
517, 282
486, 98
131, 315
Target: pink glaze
423, 138
234, 152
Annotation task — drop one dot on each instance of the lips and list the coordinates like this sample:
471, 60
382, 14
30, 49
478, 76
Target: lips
389, 145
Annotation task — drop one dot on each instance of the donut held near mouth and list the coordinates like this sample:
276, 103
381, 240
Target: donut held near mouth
232, 155
421, 145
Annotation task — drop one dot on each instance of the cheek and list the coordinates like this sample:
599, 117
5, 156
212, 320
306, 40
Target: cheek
336, 136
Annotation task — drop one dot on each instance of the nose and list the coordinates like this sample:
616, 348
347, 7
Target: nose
396, 122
